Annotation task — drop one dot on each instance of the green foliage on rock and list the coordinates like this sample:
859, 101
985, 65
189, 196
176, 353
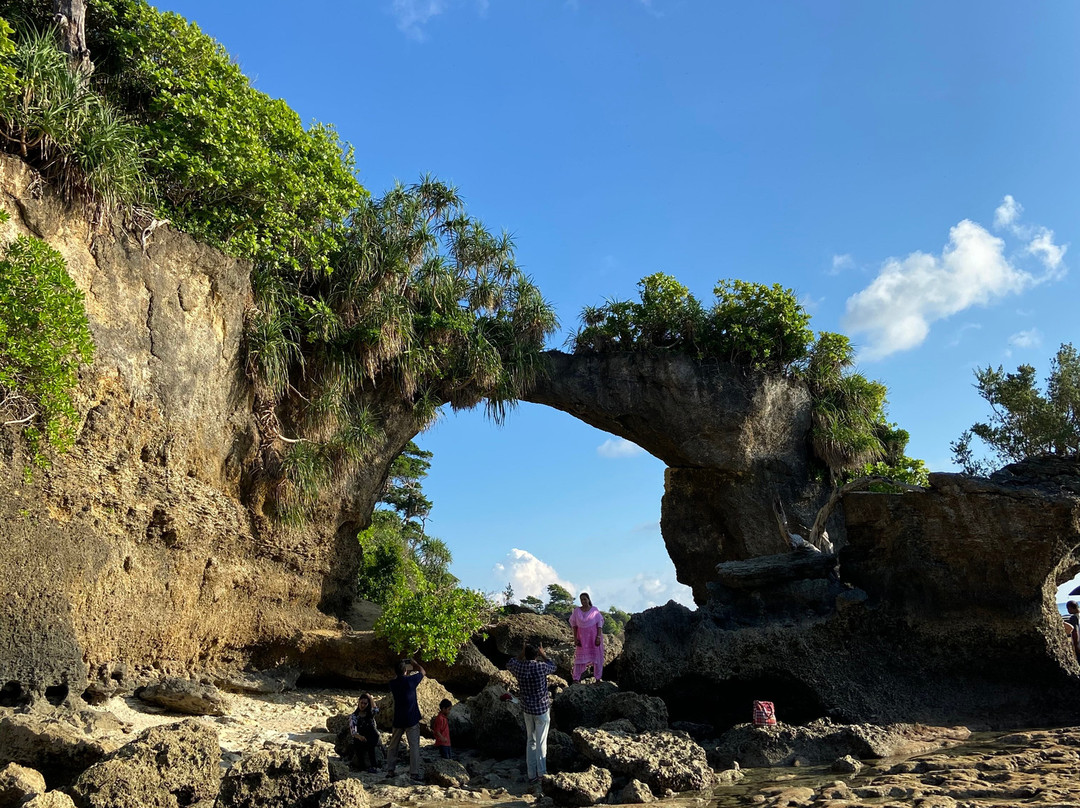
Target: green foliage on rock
764, 327
760, 327
423, 306
229, 164
1025, 422
433, 622
44, 338
54, 120
615, 620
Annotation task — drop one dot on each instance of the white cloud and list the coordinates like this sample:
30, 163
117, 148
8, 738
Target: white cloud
1043, 247
961, 331
1031, 338
841, 262
1007, 212
643, 591
896, 310
615, 448
528, 574
412, 15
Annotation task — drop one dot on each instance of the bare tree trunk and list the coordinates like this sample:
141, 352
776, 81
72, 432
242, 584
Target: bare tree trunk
70, 16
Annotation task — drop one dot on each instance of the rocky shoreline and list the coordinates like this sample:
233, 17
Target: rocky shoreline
276, 749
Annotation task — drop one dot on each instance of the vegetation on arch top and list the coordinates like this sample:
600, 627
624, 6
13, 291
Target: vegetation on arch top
767, 329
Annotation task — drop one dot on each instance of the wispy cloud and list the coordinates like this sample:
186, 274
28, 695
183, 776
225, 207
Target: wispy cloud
528, 574
841, 262
1007, 213
413, 15
616, 448
958, 336
909, 294
1031, 338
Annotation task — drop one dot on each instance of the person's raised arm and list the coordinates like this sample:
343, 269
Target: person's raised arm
419, 667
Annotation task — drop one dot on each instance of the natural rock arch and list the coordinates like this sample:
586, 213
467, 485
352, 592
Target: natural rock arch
732, 439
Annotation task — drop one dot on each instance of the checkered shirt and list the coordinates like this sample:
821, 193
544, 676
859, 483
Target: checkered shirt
532, 680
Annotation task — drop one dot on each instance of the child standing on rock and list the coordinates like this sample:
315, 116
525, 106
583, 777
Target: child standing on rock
440, 725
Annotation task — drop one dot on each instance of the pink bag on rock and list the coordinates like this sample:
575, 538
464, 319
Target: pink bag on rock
764, 714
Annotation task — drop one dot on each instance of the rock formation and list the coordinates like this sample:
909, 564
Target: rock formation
732, 440
146, 545
942, 611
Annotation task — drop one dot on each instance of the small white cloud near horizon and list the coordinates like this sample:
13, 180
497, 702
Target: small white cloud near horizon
909, 294
616, 448
1031, 338
528, 575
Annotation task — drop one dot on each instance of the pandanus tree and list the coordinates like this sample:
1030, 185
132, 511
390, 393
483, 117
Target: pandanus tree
422, 306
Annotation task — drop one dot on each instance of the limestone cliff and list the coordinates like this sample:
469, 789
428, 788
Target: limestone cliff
144, 544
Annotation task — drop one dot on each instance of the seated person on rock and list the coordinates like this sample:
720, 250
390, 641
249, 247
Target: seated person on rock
363, 735
1072, 625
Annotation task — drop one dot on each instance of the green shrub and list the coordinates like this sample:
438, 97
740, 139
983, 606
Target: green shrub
53, 119
764, 327
44, 338
229, 164
433, 622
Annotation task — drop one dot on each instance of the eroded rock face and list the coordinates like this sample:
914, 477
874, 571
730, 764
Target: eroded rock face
54, 748
732, 440
164, 767
941, 611
149, 541
665, 760
578, 788
281, 776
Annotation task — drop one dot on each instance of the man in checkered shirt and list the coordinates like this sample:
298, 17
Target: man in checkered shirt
531, 667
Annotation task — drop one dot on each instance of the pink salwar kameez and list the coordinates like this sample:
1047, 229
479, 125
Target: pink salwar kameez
589, 625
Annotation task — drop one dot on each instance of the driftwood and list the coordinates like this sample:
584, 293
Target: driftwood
755, 573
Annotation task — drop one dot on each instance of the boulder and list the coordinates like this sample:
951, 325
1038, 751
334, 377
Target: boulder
498, 724
646, 713
280, 777
577, 788
582, 705
18, 784
56, 749
846, 765
561, 754
822, 742
428, 695
664, 760
446, 773
164, 767
636, 792
470, 671
507, 637
623, 725
280, 680
50, 799
185, 696
462, 732
349, 793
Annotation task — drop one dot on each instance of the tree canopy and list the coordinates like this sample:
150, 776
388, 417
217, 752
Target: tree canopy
1025, 421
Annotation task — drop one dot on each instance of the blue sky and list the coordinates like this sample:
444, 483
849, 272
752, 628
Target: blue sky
910, 169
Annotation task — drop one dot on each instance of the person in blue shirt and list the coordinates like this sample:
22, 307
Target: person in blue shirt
531, 667
406, 716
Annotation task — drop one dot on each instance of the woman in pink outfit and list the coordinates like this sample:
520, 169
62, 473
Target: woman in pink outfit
588, 623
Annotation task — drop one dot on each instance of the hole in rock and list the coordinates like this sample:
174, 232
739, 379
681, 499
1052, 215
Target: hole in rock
725, 704
13, 694
56, 694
